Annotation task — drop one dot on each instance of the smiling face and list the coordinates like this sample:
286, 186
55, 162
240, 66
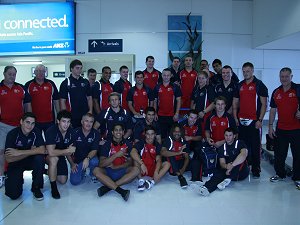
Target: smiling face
40, 72
247, 72
226, 74
64, 124
285, 78
87, 123
27, 125
117, 133
150, 136
124, 74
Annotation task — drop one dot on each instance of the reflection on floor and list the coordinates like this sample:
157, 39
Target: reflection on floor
251, 201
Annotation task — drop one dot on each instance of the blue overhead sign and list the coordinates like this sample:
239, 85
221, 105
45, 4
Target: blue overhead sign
37, 29
106, 45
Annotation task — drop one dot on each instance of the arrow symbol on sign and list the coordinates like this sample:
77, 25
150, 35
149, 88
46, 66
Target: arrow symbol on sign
94, 43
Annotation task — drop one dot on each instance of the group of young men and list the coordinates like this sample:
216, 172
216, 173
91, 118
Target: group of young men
162, 124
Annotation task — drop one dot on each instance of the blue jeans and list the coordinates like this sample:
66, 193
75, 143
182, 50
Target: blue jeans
77, 177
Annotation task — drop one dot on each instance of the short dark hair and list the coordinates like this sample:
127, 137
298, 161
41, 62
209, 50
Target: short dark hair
204, 60
248, 64
28, 114
193, 111
176, 57
105, 68
227, 67
118, 124
149, 109
138, 73
149, 127
91, 70
284, 69
218, 61
230, 129
173, 127
220, 98
123, 67
64, 114
74, 63
167, 69
8, 68
149, 57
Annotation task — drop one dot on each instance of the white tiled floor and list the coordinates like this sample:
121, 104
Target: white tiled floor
251, 201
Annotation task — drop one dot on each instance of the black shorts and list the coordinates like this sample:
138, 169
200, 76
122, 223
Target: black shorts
62, 167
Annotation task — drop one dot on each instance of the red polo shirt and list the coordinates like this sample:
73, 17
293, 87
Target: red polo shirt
151, 79
101, 91
217, 125
11, 103
166, 96
42, 97
188, 81
287, 106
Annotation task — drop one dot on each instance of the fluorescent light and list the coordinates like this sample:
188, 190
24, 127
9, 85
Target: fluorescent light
27, 62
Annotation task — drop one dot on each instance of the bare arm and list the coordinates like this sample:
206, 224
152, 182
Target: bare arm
96, 105
272, 115
235, 106
63, 104
90, 104
263, 110
27, 107
14, 155
60, 152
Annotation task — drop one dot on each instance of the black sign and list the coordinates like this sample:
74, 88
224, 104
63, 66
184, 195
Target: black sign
106, 45
58, 74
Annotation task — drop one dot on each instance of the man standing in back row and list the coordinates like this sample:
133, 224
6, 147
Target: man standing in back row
285, 100
14, 100
44, 98
251, 101
75, 92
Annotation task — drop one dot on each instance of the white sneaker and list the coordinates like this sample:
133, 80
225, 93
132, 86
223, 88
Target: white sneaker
224, 183
149, 184
202, 190
2, 180
141, 185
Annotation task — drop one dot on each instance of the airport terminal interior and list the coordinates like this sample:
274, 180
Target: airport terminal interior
235, 31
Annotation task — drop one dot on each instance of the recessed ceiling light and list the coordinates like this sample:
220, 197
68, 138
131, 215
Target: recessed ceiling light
27, 62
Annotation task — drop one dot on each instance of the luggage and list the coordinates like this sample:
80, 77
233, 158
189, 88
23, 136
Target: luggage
209, 157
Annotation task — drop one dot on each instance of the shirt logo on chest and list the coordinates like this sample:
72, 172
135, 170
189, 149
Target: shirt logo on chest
4, 92
16, 91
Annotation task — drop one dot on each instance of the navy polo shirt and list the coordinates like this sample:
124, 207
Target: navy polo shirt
53, 136
173, 145
203, 97
17, 140
230, 152
85, 144
76, 91
226, 92
107, 119
139, 129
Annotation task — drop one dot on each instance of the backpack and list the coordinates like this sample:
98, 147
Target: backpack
209, 157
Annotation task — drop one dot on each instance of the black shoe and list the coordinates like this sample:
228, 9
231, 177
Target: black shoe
102, 190
37, 194
182, 180
55, 194
125, 195
255, 175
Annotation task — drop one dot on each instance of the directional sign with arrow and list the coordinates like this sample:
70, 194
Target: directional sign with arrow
106, 45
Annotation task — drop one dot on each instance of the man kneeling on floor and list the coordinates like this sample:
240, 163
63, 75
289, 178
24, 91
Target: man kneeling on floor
115, 167
24, 150
232, 158
146, 153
